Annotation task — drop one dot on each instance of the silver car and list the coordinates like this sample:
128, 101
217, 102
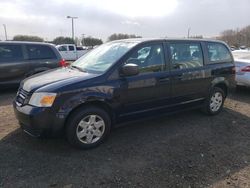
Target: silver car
242, 65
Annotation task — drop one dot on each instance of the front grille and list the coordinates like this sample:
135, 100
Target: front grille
22, 97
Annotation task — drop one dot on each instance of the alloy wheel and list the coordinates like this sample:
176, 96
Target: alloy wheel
90, 129
216, 101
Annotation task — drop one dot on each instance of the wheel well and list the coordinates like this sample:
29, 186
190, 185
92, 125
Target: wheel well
222, 86
98, 104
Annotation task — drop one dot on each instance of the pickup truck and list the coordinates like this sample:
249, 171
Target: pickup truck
71, 52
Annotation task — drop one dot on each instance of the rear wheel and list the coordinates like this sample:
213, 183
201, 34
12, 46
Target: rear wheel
215, 102
88, 127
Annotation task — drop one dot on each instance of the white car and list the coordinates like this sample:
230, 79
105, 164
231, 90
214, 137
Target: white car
242, 65
71, 52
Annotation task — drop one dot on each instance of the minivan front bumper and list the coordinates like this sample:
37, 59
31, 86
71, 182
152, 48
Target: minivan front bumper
37, 120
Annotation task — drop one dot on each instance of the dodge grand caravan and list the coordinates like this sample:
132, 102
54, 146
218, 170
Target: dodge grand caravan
19, 60
125, 80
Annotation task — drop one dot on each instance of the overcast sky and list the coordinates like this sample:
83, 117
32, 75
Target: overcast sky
101, 18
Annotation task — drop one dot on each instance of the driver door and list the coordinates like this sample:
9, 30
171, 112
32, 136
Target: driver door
142, 93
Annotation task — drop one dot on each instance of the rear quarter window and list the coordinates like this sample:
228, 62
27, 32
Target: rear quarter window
11, 53
218, 53
71, 48
40, 52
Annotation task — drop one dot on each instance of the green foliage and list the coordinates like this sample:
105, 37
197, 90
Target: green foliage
118, 36
63, 40
89, 41
27, 38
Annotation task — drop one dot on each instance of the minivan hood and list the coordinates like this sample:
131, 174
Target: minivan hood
57, 75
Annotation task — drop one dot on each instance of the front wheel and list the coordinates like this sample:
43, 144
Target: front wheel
88, 127
215, 102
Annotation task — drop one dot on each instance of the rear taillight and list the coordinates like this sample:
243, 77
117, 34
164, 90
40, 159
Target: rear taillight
63, 63
246, 69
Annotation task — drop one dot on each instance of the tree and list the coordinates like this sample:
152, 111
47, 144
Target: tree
27, 38
89, 41
237, 37
119, 36
63, 40
197, 37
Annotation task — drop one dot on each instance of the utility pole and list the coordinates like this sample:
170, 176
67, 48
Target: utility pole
5, 31
188, 32
83, 39
72, 22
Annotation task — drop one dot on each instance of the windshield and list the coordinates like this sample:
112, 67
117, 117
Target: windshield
103, 57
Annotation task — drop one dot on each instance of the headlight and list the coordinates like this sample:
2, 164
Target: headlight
42, 99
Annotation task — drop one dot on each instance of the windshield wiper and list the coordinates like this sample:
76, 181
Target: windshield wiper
78, 68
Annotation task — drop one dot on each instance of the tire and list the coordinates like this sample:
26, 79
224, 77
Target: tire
214, 104
88, 127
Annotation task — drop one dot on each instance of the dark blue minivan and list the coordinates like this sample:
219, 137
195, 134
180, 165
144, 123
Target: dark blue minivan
125, 80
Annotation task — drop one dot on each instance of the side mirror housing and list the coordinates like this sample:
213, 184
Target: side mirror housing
129, 69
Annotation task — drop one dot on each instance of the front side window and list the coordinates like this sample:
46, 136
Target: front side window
149, 58
40, 52
218, 53
186, 55
103, 57
10, 53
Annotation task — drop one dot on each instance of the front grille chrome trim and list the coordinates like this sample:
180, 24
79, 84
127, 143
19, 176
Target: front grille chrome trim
22, 97
18, 104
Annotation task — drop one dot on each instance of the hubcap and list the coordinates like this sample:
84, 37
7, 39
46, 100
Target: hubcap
216, 101
90, 129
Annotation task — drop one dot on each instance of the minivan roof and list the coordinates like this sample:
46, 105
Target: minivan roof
64, 44
136, 40
24, 42
164, 39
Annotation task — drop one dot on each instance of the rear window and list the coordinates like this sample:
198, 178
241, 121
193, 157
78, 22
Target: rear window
10, 53
218, 52
71, 48
40, 52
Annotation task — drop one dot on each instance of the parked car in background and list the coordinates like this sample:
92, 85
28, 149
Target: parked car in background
242, 64
233, 48
71, 52
122, 81
19, 60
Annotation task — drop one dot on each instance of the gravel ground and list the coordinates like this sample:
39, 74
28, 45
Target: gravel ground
183, 150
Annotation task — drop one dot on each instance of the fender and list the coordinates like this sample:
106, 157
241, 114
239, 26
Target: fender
218, 80
103, 94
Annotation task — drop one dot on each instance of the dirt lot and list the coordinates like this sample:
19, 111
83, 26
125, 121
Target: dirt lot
183, 150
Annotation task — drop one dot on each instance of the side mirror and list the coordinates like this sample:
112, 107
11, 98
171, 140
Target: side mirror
129, 69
